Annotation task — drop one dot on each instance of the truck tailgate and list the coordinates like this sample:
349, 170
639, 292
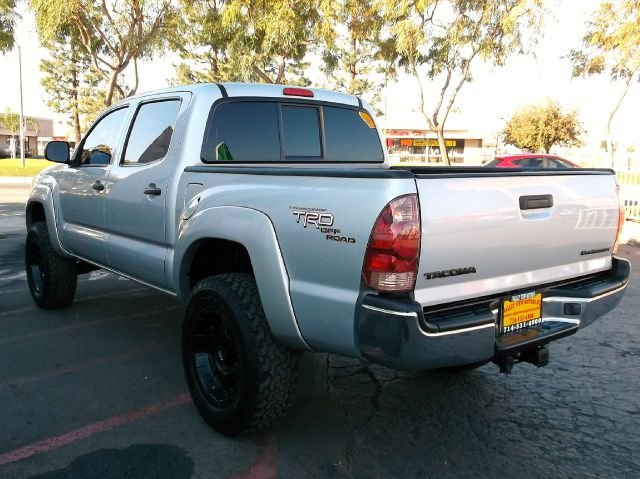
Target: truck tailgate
485, 234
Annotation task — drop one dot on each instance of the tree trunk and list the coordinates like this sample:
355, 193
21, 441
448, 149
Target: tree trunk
443, 147
614, 111
111, 88
75, 115
215, 68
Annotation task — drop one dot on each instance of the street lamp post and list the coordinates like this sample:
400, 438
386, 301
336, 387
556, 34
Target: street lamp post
21, 110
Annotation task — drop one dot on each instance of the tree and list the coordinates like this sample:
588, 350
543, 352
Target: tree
7, 23
538, 128
271, 38
11, 121
73, 87
441, 40
352, 45
202, 43
114, 34
611, 45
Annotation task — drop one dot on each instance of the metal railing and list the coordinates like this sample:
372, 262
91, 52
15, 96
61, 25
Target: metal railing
629, 182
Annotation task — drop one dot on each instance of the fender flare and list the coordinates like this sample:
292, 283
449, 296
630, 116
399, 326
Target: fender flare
253, 230
42, 194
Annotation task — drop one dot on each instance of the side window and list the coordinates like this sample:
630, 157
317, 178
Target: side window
97, 147
301, 125
244, 131
351, 136
151, 133
529, 163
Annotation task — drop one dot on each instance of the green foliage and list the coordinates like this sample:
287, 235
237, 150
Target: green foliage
244, 40
114, 34
440, 41
351, 33
202, 42
7, 23
611, 45
271, 38
11, 121
538, 128
73, 87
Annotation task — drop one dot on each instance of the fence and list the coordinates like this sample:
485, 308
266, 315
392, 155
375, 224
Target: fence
629, 182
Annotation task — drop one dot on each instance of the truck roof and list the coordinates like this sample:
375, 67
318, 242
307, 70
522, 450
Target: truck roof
260, 90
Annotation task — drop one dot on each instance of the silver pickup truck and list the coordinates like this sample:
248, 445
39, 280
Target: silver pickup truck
273, 213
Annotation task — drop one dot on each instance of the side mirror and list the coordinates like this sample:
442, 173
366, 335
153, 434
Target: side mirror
57, 151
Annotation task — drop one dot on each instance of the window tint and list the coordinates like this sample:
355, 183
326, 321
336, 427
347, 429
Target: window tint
98, 146
529, 163
558, 163
349, 137
301, 127
244, 131
494, 162
151, 133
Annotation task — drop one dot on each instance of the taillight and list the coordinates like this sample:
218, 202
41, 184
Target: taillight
391, 260
621, 219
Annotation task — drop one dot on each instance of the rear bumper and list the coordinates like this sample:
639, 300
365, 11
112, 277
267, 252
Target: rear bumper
398, 333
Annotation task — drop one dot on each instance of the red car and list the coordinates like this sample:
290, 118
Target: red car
531, 160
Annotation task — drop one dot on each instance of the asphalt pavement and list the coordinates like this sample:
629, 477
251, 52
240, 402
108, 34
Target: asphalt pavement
97, 391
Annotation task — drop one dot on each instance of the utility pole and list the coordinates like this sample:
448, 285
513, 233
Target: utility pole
21, 110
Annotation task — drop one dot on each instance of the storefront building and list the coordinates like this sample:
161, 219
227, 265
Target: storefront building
410, 141
421, 146
37, 134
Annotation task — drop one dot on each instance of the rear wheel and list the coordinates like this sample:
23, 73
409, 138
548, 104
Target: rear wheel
52, 278
241, 379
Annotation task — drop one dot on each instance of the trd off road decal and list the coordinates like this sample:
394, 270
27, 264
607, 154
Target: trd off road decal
322, 221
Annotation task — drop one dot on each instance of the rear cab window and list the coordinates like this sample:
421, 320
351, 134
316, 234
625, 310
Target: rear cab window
270, 131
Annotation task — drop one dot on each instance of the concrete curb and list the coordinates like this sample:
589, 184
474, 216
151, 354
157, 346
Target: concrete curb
16, 180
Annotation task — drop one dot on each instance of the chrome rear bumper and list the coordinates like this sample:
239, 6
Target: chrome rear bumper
399, 334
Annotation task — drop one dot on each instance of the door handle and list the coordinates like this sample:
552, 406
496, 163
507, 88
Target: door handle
535, 202
98, 186
152, 189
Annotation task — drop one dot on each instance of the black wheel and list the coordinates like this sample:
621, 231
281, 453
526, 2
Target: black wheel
52, 279
241, 379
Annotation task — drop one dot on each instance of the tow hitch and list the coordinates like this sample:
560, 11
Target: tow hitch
538, 356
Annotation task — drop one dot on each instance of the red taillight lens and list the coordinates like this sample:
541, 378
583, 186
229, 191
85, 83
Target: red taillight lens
621, 220
391, 260
297, 92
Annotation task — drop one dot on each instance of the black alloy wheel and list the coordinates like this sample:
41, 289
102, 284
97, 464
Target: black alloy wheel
215, 358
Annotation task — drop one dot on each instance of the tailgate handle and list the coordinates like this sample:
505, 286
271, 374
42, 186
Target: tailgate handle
535, 202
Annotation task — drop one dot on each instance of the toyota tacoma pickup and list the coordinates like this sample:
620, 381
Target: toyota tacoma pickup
273, 212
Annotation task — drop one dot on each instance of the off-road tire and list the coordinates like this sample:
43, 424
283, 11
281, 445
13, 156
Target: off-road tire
266, 378
52, 278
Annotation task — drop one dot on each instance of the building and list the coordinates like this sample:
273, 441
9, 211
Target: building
38, 132
409, 140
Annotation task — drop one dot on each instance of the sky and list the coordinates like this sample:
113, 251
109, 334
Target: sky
483, 105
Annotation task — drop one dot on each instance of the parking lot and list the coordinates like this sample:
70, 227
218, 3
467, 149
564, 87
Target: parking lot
97, 391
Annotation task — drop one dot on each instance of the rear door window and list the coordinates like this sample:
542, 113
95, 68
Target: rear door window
151, 132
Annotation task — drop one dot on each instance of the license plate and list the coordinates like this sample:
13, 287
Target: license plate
521, 311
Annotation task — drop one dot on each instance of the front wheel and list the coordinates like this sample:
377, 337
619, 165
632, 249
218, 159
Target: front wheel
52, 279
241, 379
